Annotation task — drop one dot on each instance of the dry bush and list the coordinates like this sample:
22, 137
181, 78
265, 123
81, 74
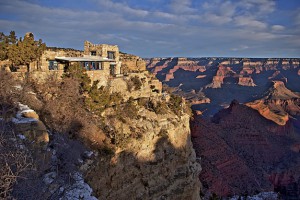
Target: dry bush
65, 105
14, 161
8, 95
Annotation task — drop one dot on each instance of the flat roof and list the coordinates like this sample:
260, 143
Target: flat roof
85, 59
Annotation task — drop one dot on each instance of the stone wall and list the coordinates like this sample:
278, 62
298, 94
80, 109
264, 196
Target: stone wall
99, 75
50, 54
102, 50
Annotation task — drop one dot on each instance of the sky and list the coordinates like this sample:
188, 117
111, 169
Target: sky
162, 28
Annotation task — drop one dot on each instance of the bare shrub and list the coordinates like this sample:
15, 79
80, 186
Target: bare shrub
14, 161
8, 95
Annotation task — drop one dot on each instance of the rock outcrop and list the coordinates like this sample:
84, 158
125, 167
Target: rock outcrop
222, 73
246, 81
27, 123
159, 163
186, 65
279, 103
192, 96
132, 63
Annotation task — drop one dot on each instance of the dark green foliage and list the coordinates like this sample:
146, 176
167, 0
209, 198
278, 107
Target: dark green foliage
159, 107
78, 73
96, 99
137, 82
127, 110
100, 98
214, 197
23, 52
175, 104
5, 42
134, 83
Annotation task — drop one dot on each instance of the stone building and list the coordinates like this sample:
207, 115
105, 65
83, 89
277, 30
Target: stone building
101, 61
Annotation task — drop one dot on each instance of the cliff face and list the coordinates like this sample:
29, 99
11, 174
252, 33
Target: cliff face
132, 63
125, 140
186, 65
246, 81
160, 163
243, 152
156, 65
279, 104
222, 73
154, 157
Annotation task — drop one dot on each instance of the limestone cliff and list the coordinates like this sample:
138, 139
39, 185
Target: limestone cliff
157, 163
132, 63
154, 157
124, 139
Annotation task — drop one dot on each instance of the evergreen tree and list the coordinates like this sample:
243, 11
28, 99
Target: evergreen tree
25, 51
5, 42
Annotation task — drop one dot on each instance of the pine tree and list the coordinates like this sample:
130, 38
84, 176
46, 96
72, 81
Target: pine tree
23, 52
5, 42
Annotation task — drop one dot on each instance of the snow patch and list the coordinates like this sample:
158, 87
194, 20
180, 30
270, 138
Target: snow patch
23, 120
49, 178
24, 109
260, 196
79, 190
19, 119
22, 137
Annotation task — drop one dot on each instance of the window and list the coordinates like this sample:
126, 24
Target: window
111, 54
93, 53
53, 65
86, 65
98, 66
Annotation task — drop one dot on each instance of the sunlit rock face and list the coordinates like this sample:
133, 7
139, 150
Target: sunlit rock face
278, 104
159, 164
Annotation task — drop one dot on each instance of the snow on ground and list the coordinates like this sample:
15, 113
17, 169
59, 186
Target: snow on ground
260, 196
23, 120
19, 119
79, 190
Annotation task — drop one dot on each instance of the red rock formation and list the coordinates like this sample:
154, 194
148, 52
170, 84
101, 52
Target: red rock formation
201, 76
250, 67
158, 64
279, 103
275, 74
238, 151
193, 97
246, 81
218, 79
185, 64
